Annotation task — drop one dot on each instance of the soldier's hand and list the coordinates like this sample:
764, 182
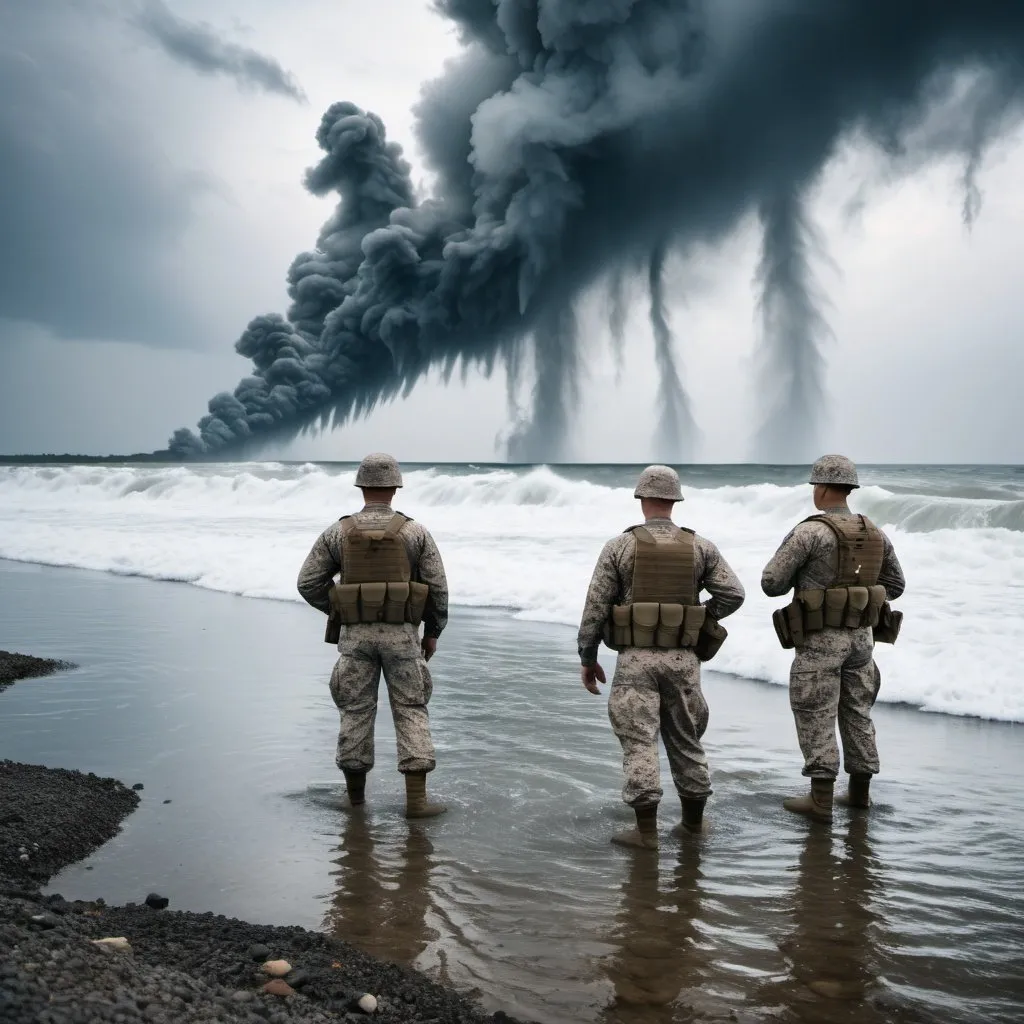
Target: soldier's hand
591, 676
429, 646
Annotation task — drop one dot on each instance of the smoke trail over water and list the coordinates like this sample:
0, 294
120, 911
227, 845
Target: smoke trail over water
676, 432
575, 141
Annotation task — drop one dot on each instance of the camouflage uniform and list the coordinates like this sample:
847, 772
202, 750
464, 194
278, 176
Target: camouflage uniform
656, 689
834, 673
369, 648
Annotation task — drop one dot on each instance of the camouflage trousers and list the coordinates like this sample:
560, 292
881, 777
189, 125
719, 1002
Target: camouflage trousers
834, 676
367, 650
659, 691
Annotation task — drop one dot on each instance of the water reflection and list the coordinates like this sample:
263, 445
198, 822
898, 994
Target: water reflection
832, 948
657, 953
382, 890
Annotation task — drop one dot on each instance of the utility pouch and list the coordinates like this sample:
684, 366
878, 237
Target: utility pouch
794, 613
692, 621
889, 622
781, 623
856, 606
645, 621
835, 607
813, 602
712, 636
371, 601
418, 593
394, 603
876, 598
670, 621
622, 633
345, 598
332, 633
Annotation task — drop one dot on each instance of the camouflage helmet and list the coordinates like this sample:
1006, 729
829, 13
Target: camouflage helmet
379, 470
659, 482
834, 470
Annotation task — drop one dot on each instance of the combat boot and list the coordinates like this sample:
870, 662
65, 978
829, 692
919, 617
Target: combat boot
355, 784
817, 804
693, 816
857, 794
645, 835
416, 804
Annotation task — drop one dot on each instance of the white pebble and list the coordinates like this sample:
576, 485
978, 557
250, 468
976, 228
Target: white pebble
277, 968
24, 856
22, 849
368, 1003
118, 942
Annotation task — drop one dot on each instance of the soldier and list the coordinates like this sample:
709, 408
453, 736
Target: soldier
843, 571
391, 579
643, 602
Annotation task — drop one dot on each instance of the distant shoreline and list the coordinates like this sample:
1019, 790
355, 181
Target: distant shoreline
168, 459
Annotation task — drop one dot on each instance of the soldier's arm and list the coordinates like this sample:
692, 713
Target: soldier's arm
779, 574
316, 577
720, 582
891, 574
603, 591
430, 570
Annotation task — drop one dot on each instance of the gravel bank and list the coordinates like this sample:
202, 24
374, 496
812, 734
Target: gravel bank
23, 666
178, 967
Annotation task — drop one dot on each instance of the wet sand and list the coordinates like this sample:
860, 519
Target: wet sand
912, 912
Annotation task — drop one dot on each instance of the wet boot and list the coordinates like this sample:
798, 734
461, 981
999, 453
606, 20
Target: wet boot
693, 816
416, 804
645, 835
355, 784
857, 795
817, 804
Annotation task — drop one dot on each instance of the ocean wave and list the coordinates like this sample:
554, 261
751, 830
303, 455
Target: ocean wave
527, 538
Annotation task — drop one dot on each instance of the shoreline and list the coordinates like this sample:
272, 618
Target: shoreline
516, 899
14, 667
178, 966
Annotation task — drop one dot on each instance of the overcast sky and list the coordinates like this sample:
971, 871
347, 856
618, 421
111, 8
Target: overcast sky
151, 159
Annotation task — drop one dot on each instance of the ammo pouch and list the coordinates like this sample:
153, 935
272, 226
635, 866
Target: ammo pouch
888, 627
652, 624
810, 611
710, 638
394, 603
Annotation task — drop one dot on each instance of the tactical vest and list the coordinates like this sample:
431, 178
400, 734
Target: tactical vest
378, 583
854, 601
664, 613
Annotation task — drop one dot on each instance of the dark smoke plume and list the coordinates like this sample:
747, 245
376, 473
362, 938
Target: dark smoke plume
198, 46
576, 141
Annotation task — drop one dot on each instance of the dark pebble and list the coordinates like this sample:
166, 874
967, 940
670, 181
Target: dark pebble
167, 801
156, 901
138, 786
298, 977
259, 952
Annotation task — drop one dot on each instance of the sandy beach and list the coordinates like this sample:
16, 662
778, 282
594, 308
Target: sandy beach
515, 899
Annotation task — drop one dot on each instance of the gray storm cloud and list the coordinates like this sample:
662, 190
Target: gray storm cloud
198, 46
579, 144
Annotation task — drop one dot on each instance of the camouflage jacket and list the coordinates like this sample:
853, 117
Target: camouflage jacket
808, 559
612, 583
325, 562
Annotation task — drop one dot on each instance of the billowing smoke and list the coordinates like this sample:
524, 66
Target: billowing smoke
198, 46
578, 143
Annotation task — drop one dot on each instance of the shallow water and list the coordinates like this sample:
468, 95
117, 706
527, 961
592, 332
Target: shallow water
219, 704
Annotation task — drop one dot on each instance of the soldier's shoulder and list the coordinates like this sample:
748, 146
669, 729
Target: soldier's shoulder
704, 544
412, 528
614, 546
